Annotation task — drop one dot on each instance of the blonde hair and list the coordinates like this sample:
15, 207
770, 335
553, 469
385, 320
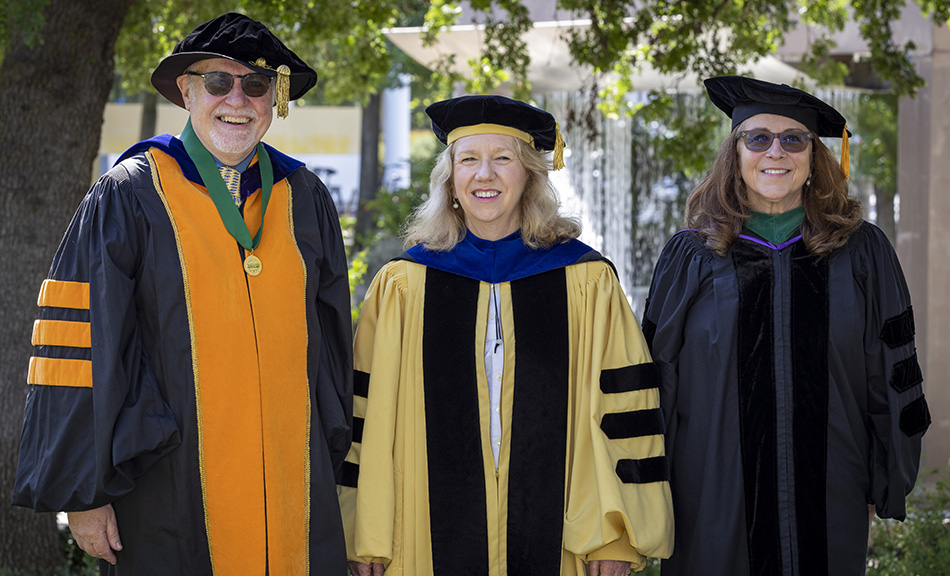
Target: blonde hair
440, 227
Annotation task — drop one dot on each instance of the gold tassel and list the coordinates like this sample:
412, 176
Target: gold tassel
283, 86
845, 154
283, 90
558, 147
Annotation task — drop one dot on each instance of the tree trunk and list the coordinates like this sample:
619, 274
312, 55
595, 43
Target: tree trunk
51, 102
369, 169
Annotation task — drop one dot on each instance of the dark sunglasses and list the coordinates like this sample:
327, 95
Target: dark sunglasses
254, 84
761, 140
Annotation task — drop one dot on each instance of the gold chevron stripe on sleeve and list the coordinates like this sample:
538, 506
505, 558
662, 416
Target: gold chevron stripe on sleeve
60, 372
64, 294
61, 333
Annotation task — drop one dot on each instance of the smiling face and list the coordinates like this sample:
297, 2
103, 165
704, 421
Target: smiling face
774, 178
229, 126
489, 181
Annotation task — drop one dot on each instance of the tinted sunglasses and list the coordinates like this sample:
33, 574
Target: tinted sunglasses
761, 140
254, 84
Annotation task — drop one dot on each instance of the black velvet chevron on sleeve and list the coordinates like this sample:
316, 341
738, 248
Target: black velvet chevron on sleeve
630, 378
635, 423
351, 472
915, 417
899, 330
644, 470
906, 374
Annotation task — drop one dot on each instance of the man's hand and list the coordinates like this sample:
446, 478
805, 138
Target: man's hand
609, 568
96, 532
360, 569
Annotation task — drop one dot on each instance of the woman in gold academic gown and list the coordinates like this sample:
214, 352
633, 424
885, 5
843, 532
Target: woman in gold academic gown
507, 412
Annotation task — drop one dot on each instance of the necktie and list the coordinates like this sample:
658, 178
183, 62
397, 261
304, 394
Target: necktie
232, 179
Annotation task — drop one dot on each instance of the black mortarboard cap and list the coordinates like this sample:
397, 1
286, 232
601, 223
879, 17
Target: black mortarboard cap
243, 40
490, 114
741, 98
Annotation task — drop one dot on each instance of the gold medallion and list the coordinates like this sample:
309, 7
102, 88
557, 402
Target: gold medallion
252, 265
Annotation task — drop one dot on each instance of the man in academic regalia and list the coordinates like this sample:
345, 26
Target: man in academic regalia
191, 383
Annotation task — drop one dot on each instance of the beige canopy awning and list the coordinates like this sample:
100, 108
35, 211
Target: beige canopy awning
552, 68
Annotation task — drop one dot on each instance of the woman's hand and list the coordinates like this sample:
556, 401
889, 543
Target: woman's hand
609, 568
360, 569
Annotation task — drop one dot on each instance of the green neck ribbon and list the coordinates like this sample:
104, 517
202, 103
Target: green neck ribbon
230, 215
776, 228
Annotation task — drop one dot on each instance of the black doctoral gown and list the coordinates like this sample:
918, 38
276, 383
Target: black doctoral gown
208, 406
793, 400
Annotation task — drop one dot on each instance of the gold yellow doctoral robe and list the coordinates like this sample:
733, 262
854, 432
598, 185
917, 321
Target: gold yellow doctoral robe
582, 473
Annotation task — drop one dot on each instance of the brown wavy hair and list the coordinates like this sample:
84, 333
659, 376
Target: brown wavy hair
720, 205
440, 227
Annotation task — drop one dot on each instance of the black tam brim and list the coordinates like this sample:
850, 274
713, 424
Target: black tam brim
475, 110
741, 98
238, 38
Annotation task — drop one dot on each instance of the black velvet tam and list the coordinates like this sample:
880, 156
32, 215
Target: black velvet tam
538, 127
741, 98
235, 37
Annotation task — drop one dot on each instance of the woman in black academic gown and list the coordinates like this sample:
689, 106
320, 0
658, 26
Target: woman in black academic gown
507, 412
782, 328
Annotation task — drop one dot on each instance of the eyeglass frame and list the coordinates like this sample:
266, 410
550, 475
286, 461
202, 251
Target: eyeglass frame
807, 135
243, 77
